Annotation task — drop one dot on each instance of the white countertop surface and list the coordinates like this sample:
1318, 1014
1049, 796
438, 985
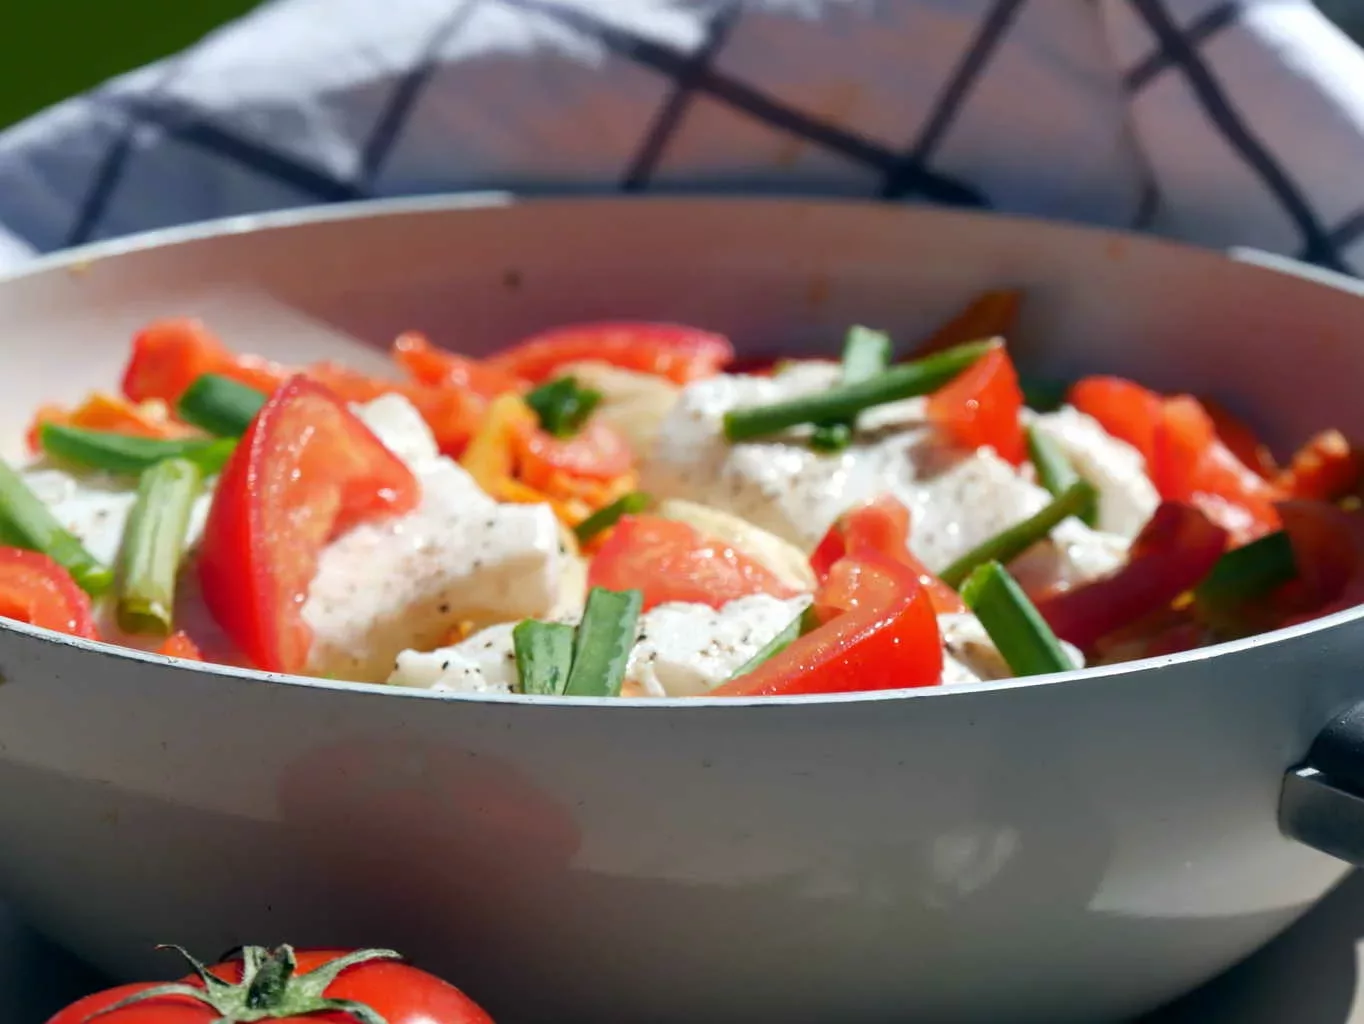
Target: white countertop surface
1310, 975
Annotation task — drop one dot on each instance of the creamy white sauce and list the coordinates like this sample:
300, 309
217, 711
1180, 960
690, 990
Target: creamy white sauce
681, 650
405, 582
957, 499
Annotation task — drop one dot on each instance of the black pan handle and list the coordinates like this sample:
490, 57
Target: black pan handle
1322, 802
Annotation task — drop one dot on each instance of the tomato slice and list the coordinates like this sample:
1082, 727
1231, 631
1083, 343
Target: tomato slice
1124, 409
1172, 554
435, 367
1192, 465
883, 525
306, 470
598, 452
179, 645
980, 407
671, 561
36, 590
169, 355
878, 632
679, 353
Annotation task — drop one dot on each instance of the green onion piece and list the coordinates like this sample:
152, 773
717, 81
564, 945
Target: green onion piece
544, 655
154, 544
845, 401
791, 632
1009, 544
562, 406
28, 523
602, 647
1246, 573
605, 518
220, 405
1055, 472
866, 354
125, 453
1044, 395
1023, 637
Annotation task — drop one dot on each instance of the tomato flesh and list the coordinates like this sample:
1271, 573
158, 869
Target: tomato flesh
36, 590
878, 632
1191, 464
672, 561
1172, 554
1124, 409
179, 645
169, 355
680, 353
981, 406
1328, 550
306, 470
435, 367
883, 525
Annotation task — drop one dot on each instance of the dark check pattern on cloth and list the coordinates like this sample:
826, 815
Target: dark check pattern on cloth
942, 160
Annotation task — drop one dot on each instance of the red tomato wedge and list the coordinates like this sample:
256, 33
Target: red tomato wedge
435, 367
305, 471
883, 525
1192, 465
878, 632
169, 355
671, 561
980, 407
1172, 554
1126, 410
381, 987
679, 353
179, 645
1239, 438
36, 590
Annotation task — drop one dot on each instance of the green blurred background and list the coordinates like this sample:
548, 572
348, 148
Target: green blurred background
50, 49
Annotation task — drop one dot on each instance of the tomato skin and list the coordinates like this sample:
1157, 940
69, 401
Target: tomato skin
882, 524
1328, 548
1124, 409
1326, 468
1239, 438
682, 354
396, 991
169, 355
878, 632
597, 452
1192, 465
36, 590
427, 364
1173, 552
671, 561
981, 406
306, 470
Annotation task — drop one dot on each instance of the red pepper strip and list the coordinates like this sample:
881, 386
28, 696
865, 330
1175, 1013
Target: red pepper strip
170, 355
1173, 552
980, 407
878, 632
883, 525
682, 354
36, 590
306, 470
435, 367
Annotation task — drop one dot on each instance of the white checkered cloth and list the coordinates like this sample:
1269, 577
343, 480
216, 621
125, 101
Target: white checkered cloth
1218, 123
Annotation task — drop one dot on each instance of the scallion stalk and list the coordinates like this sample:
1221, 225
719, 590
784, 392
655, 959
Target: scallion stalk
605, 637
154, 545
220, 405
1014, 625
544, 655
28, 523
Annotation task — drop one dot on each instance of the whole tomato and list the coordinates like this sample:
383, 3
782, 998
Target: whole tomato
368, 986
